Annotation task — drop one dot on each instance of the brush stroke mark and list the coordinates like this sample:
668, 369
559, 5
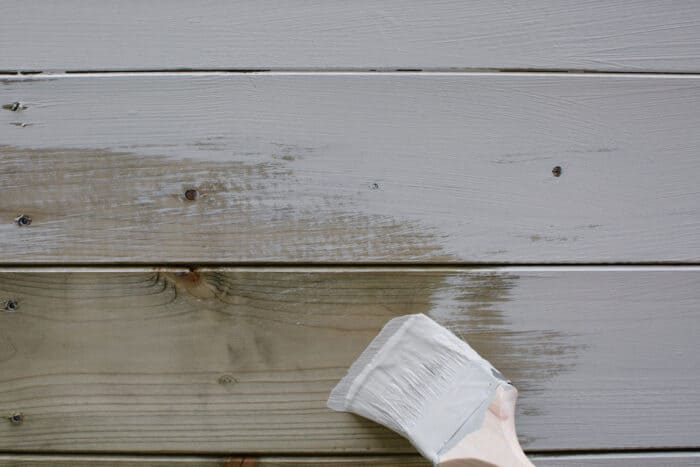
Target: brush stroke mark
84, 199
473, 306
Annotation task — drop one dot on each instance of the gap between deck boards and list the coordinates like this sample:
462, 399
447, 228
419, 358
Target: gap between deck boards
650, 459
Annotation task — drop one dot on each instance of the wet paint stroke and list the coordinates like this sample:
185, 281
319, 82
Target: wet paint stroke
350, 167
471, 305
476, 307
81, 200
263, 347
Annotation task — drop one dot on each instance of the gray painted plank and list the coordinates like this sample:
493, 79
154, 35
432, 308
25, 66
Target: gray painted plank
351, 167
690, 459
680, 459
241, 360
619, 35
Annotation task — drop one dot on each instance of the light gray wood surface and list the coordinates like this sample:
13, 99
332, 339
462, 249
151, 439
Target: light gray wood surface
679, 459
242, 360
627, 35
351, 167
375, 135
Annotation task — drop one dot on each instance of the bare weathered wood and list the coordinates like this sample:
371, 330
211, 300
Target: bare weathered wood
31, 460
679, 459
614, 35
242, 360
350, 167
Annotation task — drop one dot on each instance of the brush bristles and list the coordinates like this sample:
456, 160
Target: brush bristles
418, 379
340, 398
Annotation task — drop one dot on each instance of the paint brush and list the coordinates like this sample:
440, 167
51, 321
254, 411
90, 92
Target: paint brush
420, 380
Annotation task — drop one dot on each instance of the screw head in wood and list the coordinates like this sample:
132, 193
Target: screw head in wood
10, 305
16, 418
556, 171
227, 379
374, 186
23, 220
14, 107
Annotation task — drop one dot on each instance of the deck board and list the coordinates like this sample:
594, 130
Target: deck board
619, 35
680, 459
350, 167
242, 360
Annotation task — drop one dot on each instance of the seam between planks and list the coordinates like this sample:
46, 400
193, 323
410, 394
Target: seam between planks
345, 70
159, 73
359, 268
555, 453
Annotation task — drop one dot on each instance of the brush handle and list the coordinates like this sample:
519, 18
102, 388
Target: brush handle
495, 444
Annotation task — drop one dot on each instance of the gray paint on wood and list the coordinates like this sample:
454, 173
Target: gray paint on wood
673, 459
353, 167
619, 35
690, 459
242, 360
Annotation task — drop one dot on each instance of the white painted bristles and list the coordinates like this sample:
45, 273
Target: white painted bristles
420, 380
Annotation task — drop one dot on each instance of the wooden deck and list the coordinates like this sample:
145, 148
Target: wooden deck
208, 209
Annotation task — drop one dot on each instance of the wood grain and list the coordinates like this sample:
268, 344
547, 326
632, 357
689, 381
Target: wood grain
350, 167
619, 35
680, 459
242, 360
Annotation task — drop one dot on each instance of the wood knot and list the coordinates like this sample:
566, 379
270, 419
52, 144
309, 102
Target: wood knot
10, 305
556, 171
192, 282
16, 418
226, 380
188, 278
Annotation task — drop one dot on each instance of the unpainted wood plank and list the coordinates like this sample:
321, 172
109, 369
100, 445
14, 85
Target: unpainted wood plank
58, 460
686, 459
680, 459
350, 167
242, 360
619, 35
